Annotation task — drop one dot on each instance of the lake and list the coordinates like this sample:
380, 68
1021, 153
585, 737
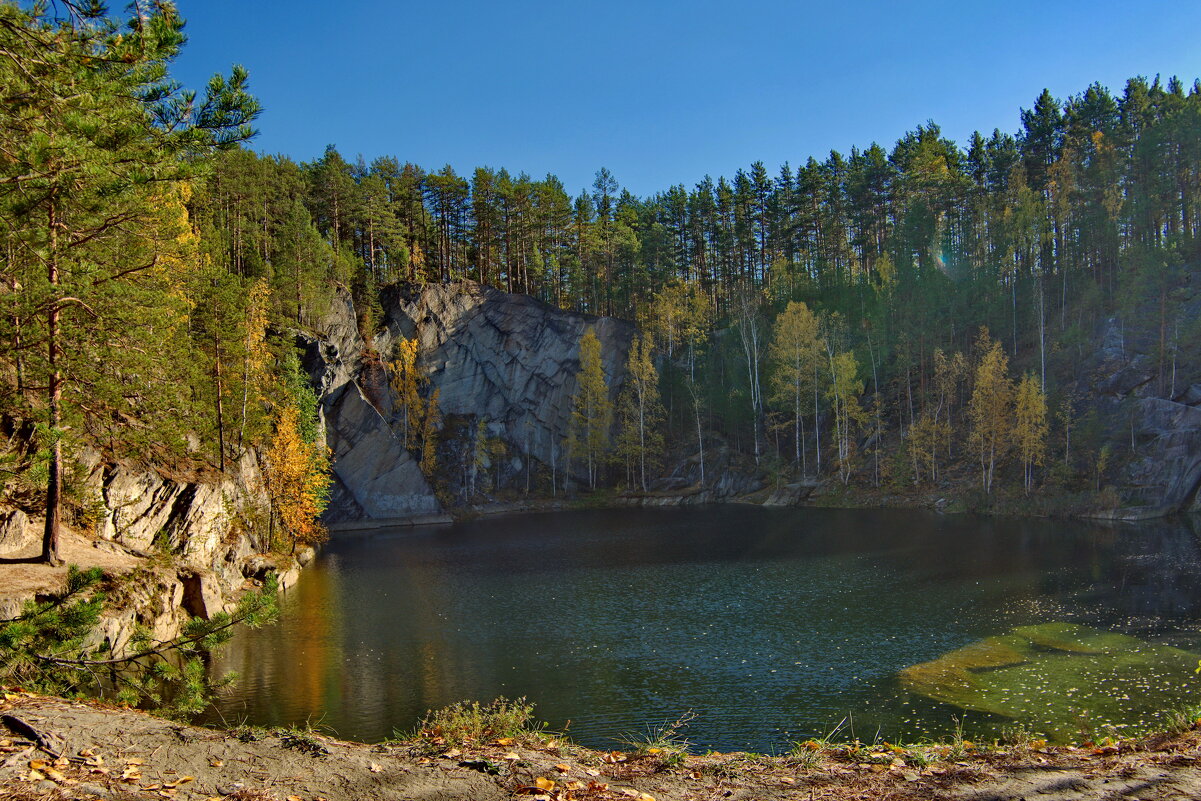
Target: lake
772, 625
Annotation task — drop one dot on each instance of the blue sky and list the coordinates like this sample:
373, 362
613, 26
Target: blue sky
662, 93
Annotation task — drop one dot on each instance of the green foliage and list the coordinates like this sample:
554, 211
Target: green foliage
298, 393
1091, 208
591, 409
51, 647
470, 723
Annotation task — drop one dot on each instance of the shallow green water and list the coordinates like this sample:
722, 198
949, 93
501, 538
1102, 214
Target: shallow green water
772, 625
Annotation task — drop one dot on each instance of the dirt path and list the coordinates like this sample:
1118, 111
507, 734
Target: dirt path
20, 581
52, 749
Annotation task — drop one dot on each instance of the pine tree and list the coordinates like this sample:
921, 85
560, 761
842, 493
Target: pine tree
96, 137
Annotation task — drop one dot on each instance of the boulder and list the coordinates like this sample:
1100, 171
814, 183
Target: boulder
19, 536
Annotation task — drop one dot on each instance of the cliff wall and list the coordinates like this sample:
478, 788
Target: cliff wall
507, 360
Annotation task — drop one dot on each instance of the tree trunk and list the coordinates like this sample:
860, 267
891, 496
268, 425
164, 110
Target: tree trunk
50, 536
220, 406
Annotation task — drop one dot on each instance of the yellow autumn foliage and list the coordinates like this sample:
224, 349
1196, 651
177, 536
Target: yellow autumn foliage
297, 479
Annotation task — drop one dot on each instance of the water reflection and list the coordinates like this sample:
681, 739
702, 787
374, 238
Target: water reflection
769, 623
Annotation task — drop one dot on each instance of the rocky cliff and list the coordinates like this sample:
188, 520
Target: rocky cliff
1154, 420
506, 360
213, 528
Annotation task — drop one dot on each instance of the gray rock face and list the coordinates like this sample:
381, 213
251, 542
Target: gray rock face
1163, 473
374, 475
1168, 473
372, 465
509, 360
194, 519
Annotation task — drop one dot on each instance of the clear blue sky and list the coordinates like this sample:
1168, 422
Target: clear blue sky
663, 93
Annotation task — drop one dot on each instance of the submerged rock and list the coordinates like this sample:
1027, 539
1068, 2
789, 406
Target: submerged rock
1060, 677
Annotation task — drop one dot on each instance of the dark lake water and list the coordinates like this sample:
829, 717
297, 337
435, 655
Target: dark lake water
772, 625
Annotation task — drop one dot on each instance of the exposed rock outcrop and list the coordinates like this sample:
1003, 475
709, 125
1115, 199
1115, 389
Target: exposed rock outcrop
1156, 418
375, 477
18, 534
212, 525
507, 360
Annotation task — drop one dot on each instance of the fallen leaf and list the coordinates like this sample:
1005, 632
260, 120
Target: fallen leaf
592, 772
654, 750
452, 754
544, 784
135, 762
511, 757
573, 785
562, 768
37, 764
910, 776
294, 798
36, 775
424, 761
374, 768
597, 787
503, 741
216, 763
53, 773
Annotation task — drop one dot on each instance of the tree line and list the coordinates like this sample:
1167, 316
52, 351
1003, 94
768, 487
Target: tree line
1091, 206
121, 331
154, 266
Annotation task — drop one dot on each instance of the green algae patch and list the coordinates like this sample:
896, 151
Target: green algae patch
1077, 639
1063, 680
955, 677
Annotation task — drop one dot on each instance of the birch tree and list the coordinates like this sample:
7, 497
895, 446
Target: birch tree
795, 349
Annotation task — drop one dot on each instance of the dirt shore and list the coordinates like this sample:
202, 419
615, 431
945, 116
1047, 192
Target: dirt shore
51, 748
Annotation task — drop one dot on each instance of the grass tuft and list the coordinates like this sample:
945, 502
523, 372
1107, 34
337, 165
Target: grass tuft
468, 723
664, 742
